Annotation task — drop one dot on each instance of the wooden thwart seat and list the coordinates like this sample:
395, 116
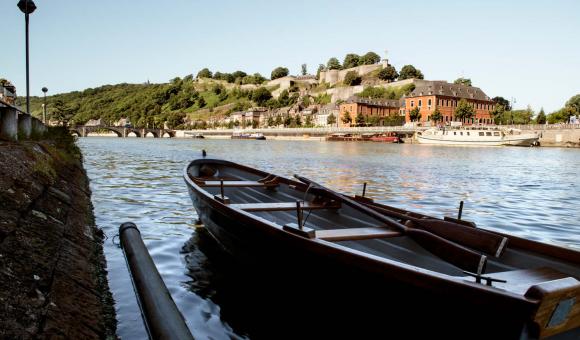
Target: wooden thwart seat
283, 206
351, 234
237, 184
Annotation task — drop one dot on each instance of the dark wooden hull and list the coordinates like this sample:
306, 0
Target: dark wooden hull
346, 286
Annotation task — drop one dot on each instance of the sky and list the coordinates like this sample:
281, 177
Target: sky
527, 50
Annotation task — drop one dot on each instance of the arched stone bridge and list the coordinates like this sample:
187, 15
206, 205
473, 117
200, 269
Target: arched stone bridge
83, 131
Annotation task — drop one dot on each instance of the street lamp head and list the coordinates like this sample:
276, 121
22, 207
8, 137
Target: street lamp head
26, 6
44, 89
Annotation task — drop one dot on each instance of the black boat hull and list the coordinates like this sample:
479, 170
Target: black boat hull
316, 281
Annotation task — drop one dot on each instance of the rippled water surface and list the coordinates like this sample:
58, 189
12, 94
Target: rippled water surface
531, 192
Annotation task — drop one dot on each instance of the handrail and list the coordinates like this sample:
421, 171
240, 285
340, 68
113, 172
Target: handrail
12, 107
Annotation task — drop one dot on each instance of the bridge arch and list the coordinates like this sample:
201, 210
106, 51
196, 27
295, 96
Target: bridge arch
151, 131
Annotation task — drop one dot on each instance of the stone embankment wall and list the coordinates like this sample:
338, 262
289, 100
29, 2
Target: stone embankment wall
560, 137
52, 269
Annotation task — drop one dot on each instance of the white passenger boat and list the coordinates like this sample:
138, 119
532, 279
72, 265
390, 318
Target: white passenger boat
477, 135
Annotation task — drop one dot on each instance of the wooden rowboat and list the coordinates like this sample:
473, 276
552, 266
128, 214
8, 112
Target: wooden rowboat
446, 274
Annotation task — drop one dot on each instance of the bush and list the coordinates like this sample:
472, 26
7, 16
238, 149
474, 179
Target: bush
352, 78
204, 73
279, 72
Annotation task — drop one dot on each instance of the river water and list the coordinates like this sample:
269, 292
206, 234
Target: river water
530, 192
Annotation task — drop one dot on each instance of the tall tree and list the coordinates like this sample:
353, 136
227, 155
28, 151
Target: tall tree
62, 113
541, 118
304, 70
464, 110
320, 69
503, 102
351, 60
574, 104
436, 116
346, 118
279, 72
409, 72
463, 81
333, 64
388, 73
415, 114
204, 73
360, 119
331, 119
370, 58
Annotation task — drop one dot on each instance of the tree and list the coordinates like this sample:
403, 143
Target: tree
436, 116
239, 74
320, 69
574, 104
351, 60
201, 102
415, 114
304, 69
331, 119
346, 118
333, 64
261, 95
270, 121
463, 81
298, 120
409, 72
360, 119
503, 102
278, 120
541, 117
464, 110
308, 121
279, 72
388, 73
62, 113
204, 73
369, 58
352, 78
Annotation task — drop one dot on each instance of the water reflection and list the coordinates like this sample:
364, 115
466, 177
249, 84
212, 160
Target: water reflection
529, 192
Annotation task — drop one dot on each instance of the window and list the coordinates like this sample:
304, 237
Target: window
496, 133
481, 133
461, 133
454, 133
420, 103
429, 102
468, 133
488, 133
412, 103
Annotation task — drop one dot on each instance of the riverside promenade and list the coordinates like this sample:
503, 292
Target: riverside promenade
552, 135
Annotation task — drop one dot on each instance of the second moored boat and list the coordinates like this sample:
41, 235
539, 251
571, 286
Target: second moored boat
477, 136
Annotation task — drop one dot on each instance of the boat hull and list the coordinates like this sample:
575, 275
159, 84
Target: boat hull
313, 274
523, 141
369, 286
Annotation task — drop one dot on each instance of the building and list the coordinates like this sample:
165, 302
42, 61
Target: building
323, 114
7, 92
375, 111
445, 96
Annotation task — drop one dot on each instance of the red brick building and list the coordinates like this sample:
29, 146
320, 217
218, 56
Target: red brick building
377, 110
445, 96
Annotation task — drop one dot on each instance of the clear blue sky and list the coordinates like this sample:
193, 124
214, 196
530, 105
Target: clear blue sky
524, 49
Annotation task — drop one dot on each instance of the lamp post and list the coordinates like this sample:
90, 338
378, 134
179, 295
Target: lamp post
27, 7
44, 90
